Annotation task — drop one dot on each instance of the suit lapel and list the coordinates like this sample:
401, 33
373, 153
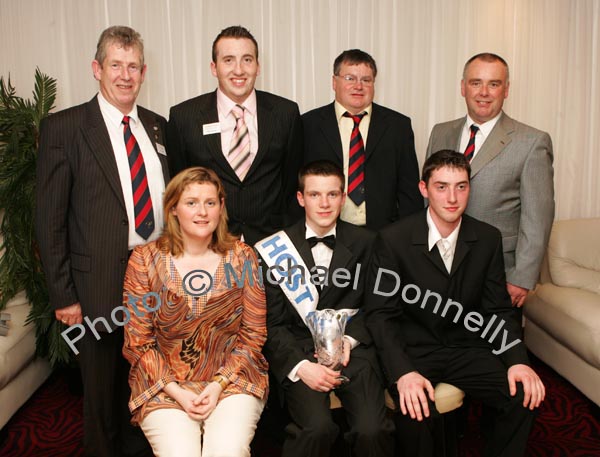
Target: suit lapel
266, 121
331, 131
420, 241
498, 139
466, 235
156, 135
342, 256
377, 126
98, 140
209, 114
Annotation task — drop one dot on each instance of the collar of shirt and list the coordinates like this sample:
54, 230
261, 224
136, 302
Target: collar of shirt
434, 234
112, 114
322, 254
340, 110
225, 104
484, 129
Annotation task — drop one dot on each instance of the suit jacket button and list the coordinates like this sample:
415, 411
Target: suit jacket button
123, 261
124, 222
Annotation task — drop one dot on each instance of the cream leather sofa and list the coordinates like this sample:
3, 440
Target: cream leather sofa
20, 372
562, 324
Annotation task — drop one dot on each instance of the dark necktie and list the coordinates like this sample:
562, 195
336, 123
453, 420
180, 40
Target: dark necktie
142, 202
356, 161
471, 145
328, 241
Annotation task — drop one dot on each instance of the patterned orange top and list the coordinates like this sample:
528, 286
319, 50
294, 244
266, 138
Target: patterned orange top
173, 336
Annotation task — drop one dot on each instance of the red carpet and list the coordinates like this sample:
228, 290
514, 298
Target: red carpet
49, 424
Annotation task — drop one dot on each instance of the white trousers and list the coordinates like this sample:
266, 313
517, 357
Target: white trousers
227, 432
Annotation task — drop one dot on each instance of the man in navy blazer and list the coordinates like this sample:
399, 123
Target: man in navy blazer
260, 199
86, 225
390, 168
439, 311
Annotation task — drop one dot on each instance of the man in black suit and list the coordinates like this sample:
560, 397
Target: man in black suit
251, 139
374, 145
452, 320
96, 199
340, 251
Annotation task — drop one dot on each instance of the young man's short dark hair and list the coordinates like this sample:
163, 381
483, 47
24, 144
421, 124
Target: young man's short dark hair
320, 168
445, 158
235, 31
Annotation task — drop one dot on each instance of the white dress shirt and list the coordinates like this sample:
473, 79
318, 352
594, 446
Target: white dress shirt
484, 131
447, 245
113, 118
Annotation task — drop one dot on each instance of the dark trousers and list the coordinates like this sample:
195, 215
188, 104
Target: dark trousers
107, 431
483, 376
312, 431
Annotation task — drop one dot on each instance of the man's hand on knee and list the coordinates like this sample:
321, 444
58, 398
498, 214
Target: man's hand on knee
318, 377
412, 387
533, 387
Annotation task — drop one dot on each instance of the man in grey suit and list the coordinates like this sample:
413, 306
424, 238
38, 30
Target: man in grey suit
101, 173
512, 175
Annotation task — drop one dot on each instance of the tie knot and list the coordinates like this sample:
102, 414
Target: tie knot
474, 129
355, 117
237, 111
125, 120
328, 241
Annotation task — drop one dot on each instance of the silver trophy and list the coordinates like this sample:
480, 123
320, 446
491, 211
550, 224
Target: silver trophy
327, 327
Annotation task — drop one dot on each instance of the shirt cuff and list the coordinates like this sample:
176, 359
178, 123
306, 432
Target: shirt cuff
352, 341
292, 375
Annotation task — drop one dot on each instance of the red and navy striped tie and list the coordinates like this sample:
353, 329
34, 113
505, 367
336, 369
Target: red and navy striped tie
471, 144
142, 202
356, 161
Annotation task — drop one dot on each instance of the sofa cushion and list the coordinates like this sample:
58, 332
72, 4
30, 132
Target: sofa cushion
17, 300
571, 316
574, 254
18, 347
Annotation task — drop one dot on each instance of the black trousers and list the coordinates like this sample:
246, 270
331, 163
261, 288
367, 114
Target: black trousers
483, 376
312, 431
107, 431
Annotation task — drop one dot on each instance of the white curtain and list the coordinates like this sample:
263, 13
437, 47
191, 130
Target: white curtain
552, 47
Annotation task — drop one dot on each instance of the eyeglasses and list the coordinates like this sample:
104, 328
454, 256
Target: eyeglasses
353, 80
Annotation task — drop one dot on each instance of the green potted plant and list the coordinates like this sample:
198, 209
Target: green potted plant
20, 267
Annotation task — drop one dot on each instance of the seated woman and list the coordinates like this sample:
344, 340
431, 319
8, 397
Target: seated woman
198, 378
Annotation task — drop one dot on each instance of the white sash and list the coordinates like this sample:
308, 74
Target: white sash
278, 250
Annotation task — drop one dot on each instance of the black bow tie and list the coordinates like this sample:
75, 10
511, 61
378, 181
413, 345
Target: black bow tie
328, 241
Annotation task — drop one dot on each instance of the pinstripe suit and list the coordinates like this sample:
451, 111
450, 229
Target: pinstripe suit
265, 201
511, 188
82, 230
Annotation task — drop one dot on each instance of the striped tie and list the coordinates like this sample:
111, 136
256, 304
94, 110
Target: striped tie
356, 162
471, 145
240, 157
142, 202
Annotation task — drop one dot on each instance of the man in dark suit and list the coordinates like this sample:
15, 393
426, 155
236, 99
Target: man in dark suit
513, 187
340, 251
251, 139
452, 320
374, 145
101, 172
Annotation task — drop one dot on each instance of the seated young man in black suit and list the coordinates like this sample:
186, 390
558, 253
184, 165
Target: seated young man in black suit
439, 311
304, 384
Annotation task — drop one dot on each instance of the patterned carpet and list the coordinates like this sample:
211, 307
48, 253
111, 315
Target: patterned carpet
49, 425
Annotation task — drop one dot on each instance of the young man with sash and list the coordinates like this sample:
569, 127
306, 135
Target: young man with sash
319, 263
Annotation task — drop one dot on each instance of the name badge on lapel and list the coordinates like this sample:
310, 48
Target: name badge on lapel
210, 129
